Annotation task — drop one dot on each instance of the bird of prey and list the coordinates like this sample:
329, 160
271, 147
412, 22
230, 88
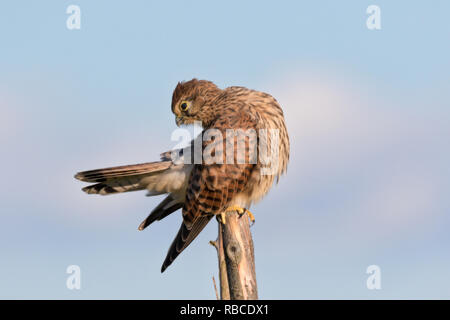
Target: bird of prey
204, 189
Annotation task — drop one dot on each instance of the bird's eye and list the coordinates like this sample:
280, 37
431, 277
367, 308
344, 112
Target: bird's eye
184, 106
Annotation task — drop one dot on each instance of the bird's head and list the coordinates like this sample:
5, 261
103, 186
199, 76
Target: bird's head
192, 101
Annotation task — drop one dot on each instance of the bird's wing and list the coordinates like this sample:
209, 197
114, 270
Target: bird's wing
211, 187
157, 177
170, 204
165, 176
184, 237
121, 179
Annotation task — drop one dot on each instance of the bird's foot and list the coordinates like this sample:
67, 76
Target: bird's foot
222, 219
241, 212
251, 216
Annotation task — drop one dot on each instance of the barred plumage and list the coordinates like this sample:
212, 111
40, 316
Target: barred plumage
207, 189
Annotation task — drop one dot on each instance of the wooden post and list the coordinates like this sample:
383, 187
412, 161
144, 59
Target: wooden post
236, 259
223, 277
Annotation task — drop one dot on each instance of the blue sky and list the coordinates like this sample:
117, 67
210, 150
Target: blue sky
367, 112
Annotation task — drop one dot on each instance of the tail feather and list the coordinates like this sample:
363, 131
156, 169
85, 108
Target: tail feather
101, 175
115, 186
166, 207
184, 237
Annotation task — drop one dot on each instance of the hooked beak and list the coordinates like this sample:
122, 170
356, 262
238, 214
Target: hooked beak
179, 120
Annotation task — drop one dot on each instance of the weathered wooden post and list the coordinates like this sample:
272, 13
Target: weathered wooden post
236, 259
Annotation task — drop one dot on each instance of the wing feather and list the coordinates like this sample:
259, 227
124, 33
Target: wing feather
100, 175
211, 187
184, 237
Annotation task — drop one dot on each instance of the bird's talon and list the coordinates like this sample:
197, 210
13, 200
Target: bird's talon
241, 212
222, 218
251, 216
235, 208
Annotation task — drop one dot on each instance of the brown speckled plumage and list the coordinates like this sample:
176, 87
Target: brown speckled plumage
205, 189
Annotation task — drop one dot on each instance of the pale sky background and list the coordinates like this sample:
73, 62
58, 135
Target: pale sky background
368, 114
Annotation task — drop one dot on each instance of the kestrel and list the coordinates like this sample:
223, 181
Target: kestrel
205, 188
